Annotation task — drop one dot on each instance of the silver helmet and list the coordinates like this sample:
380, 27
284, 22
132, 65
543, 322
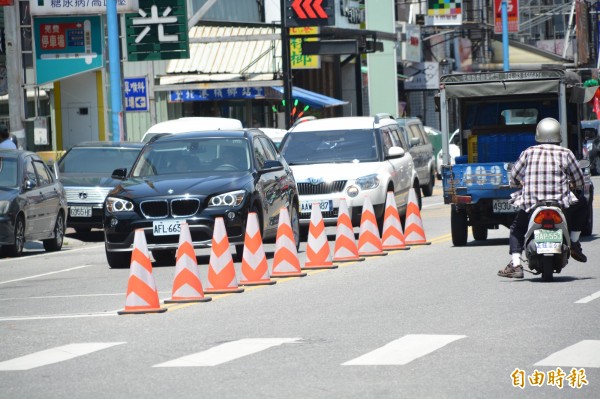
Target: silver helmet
548, 131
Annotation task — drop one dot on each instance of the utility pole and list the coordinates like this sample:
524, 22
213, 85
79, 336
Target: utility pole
114, 59
286, 67
505, 55
14, 72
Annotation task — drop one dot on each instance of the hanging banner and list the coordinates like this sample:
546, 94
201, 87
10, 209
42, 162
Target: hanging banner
512, 9
71, 7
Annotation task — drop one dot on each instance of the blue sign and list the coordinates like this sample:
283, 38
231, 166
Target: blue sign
66, 46
232, 93
136, 94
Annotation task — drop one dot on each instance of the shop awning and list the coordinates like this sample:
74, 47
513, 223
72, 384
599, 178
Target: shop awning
315, 100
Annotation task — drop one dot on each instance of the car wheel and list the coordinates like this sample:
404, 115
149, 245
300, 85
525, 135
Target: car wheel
164, 257
118, 260
428, 189
16, 249
480, 233
419, 197
458, 226
56, 243
587, 230
295, 222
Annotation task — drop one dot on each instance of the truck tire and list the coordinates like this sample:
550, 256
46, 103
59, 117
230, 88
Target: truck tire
458, 226
480, 233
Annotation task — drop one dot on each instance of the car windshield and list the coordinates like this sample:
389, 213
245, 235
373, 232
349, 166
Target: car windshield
331, 146
8, 172
101, 160
193, 155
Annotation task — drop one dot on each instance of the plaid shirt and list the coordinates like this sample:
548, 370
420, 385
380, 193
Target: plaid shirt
546, 172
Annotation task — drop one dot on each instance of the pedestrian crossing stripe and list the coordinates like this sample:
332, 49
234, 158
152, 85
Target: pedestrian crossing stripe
404, 350
585, 353
54, 355
227, 352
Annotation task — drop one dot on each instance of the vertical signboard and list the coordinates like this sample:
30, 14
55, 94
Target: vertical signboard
136, 94
66, 46
444, 12
158, 31
512, 9
297, 59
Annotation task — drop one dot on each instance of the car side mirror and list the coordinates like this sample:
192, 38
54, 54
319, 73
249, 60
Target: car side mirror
119, 174
395, 152
414, 141
29, 184
271, 166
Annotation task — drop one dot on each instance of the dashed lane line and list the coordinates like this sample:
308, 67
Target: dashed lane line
227, 352
54, 355
404, 350
589, 298
585, 353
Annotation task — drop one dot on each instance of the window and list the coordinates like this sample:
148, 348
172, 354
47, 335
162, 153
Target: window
259, 154
270, 152
30, 171
414, 132
525, 116
44, 177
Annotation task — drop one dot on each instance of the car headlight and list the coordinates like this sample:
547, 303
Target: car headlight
233, 198
4, 205
116, 205
368, 182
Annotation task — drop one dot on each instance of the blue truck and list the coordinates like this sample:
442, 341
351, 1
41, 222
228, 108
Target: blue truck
496, 114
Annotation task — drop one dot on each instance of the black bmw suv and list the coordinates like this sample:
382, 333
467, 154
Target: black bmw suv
194, 178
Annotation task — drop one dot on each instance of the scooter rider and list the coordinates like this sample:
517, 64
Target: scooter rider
546, 171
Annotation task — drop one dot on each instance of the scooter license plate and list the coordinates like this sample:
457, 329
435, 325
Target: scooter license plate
548, 241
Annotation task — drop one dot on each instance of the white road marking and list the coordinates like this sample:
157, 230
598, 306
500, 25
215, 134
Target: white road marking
585, 353
31, 255
54, 355
589, 298
227, 352
404, 350
60, 316
45, 274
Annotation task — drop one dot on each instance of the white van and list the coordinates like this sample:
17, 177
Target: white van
191, 124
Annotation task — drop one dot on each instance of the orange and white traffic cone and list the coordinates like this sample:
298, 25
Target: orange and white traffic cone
414, 234
142, 295
187, 286
345, 245
392, 237
286, 262
318, 253
221, 271
255, 270
369, 242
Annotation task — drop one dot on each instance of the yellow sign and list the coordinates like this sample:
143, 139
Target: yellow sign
297, 59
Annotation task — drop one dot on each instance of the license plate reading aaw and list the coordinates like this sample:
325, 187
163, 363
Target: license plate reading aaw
324, 205
503, 206
80, 211
166, 227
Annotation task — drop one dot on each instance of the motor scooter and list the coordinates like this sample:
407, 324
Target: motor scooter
547, 241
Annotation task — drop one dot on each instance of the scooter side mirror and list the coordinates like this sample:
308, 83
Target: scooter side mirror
584, 163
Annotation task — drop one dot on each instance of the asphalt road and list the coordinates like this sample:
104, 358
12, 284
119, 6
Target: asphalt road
430, 322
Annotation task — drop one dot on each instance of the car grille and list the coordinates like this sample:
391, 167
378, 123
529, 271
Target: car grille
86, 195
321, 188
184, 207
155, 209
179, 208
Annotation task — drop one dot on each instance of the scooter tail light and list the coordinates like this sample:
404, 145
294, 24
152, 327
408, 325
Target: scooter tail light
548, 218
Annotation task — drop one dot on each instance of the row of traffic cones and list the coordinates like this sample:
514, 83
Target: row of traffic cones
142, 295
